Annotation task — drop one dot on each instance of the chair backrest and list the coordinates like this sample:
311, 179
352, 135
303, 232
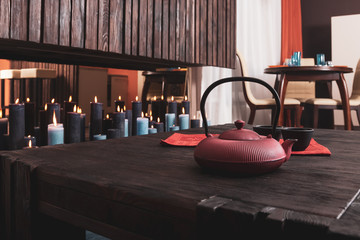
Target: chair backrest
356, 84
302, 90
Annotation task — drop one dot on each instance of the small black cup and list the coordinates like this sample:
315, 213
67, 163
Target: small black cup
266, 130
303, 136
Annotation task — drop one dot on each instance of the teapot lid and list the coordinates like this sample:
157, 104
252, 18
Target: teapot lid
239, 133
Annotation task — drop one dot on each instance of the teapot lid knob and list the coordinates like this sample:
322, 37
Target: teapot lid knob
239, 124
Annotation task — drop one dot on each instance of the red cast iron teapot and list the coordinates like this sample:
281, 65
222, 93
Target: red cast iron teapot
241, 151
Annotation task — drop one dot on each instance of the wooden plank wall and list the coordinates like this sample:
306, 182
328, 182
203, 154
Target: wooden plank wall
190, 32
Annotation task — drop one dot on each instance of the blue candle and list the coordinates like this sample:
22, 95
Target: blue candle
152, 130
174, 128
126, 128
142, 125
169, 121
55, 134
184, 120
99, 137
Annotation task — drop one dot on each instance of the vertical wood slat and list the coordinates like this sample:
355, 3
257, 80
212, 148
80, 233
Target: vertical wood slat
19, 19
190, 31
219, 35
228, 33
78, 23
35, 7
142, 27
177, 31
116, 31
224, 34
182, 22
4, 18
128, 10
215, 32
233, 34
150, 32
92, 14
103, 33
172, 29
135, 27
51, 21
203, 32
209, 33
157, 28
165, 29
197, 31
65, 22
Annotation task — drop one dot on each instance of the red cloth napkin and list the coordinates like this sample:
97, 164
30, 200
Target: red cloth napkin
192, 140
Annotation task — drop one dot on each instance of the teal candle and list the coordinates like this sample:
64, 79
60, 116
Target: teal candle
142, 126
169, 121
55, 134
126, 134
99, 137
184, 121
174, 128
152, 130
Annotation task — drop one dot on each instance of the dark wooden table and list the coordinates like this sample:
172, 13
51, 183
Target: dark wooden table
135, 188
312, 73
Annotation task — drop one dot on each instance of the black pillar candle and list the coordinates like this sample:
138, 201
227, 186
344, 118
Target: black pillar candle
128, 116
136, 112
29, 138
51, 108
186, 104
82, 127
195, 123
159, 126
3, 131
68, 107
172, 106
119, 122
95, 118
43, 127
106, 124
29, 117
37, 135
163, 106
119, 103
113, 133
16, 126
73, 127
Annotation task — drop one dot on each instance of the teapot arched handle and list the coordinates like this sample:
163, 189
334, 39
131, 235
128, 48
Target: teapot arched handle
239, 79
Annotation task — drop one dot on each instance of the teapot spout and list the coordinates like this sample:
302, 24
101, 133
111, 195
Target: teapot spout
287, 145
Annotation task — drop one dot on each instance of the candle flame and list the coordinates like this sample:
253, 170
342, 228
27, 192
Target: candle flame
183, 110
142, 114
70, 98
185, 98
146, 114
151, 118
119, 98
154, 98
27, 99
0, 113
30, 143
29, 135
162, 97
124, 108
172, 98
107, 116
54, 119
95, 99
152, 126
53, 100
79, 110
136, 98
118, 108
158, 119
17, 101
194, 117
150, 112
45, 108
74, 110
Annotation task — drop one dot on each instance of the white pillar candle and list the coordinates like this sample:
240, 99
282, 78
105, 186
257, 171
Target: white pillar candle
184, 120
55, 132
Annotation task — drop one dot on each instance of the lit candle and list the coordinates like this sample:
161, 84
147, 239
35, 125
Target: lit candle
3, 130
169, 121
106, 124
55, 132
152, 130
136, 113
159, 125
186, 104
119, 103
155, 107
99, 137
68, 107
29, 117
43, 126
28, 139
51, 107
82, 124
119, 121
16, 125
30, 144
163, 106
73, 126
95, 118
172, 107
195, 123
184, 120
142, 125
128, 115
174, 128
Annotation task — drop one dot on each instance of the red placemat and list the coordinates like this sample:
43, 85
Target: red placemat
192, 140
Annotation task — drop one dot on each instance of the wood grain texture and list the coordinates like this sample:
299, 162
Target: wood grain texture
135, 28
190, 31
182, 34
19, 19
220, 33
203, 32
128, 27
65, 22
116, 31
143, 27
91, 30
209, 32
51, 21
103, 32
5, 18
35, 7
197, 32
172, 29
157, 28
215, 33
165, 28
150, 32
78, 23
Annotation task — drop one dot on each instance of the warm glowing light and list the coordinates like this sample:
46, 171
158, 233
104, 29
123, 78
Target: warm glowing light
152, 126
124, 108
17, 101
185, 98
154, 98
30, 143
27, 99
183, 110
53, 100
70, 98
0, 113
95, 99
136, 98
146, 114
107, 116
118, 108
172, 98
54, 119
162, 97
142, 114
158, 120
119, 98
29, 135
79, 110
194, 117
45, 108
151, 118
74, 110
150, 112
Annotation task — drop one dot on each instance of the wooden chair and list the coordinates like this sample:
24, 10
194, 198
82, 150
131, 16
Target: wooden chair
265, 103
314, 104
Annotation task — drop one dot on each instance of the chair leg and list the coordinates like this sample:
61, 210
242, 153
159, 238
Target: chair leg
288, 117
297, 116
316, 116
252, 116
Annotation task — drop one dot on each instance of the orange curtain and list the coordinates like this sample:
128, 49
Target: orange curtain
291, 34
